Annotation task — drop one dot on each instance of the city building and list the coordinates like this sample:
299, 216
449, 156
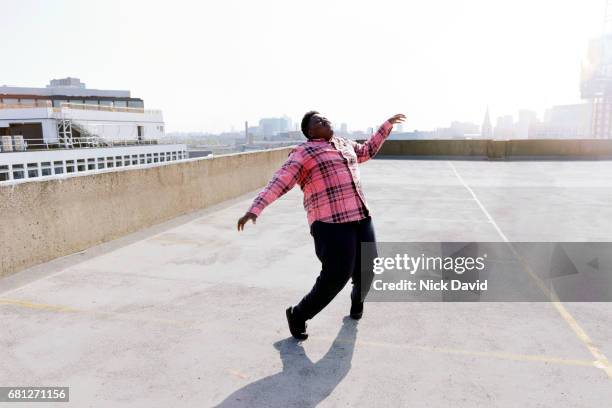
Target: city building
564, 122
457, 130
596, 84
504, 128
67, 128
526, 120
273, 126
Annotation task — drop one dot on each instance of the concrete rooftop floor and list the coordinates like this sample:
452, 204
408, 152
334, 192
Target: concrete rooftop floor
191, 312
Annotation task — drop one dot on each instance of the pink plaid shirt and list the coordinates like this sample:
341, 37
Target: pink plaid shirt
328, 175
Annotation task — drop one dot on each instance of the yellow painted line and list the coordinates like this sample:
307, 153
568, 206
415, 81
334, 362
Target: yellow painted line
432, 349
66, 309
488, 354
602, 361
39, 306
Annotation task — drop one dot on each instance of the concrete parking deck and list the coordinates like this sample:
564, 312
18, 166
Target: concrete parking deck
191, 313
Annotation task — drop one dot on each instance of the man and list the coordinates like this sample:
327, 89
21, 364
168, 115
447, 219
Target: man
326, 169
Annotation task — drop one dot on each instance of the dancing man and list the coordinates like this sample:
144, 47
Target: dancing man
325, 167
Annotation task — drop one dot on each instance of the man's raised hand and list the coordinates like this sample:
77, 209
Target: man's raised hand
400, 117
243, 220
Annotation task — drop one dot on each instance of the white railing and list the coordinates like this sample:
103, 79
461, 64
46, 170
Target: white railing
83, 142
103, 108
44, 103
78, 106
84, 162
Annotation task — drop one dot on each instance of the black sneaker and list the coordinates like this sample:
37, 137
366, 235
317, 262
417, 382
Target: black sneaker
356, 310
297, 327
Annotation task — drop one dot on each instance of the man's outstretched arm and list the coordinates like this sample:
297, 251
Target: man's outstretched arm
365, 151
283, 181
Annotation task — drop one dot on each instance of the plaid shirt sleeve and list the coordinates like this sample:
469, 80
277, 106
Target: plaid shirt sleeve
283, 181
365, 151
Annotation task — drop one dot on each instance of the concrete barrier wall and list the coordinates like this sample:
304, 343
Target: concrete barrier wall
43, 220
434, 148
500, 149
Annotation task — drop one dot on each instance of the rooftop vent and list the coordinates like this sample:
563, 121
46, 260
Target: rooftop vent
66, 82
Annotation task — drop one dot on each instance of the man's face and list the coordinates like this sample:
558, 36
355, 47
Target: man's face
319, 127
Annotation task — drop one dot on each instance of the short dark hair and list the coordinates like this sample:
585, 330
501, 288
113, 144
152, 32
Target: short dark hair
306, 121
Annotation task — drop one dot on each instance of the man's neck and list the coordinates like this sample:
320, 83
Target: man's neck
322, 139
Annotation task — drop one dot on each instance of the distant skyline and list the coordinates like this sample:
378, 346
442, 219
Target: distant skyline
211, 66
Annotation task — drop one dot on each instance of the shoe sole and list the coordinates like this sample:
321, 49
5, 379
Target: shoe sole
298, 336
356, 316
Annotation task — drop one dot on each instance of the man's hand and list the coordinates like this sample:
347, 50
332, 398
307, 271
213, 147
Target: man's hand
400, 117
243, 220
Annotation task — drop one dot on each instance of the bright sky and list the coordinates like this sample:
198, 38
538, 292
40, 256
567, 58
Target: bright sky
211, 65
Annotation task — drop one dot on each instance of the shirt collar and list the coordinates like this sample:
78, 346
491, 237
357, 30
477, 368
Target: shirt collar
321, 140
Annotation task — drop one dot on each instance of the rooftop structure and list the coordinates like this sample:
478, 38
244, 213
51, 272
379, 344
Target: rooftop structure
64, 89
197, 306
61, 128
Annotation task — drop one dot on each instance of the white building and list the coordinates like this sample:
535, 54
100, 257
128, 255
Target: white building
504, 128
84, 129
564, 122
526, 120
273, 126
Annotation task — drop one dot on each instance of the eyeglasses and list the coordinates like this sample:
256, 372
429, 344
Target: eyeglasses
319, 119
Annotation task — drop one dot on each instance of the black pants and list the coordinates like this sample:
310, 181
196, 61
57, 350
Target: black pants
338, 247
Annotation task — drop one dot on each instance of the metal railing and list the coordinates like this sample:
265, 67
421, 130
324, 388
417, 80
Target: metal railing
44, 103
77, 142
48, 167
104, 108
78, 106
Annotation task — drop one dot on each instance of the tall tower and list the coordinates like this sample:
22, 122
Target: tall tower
486, 131
596, 81
248, 137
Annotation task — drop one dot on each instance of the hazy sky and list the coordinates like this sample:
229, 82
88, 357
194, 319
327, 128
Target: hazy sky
212, 65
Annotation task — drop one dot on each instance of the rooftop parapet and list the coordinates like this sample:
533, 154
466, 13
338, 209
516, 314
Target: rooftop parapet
77, 106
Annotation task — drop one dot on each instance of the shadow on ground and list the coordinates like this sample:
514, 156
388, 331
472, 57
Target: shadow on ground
302, 383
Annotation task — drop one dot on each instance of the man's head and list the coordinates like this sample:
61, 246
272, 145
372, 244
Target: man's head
316, 126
